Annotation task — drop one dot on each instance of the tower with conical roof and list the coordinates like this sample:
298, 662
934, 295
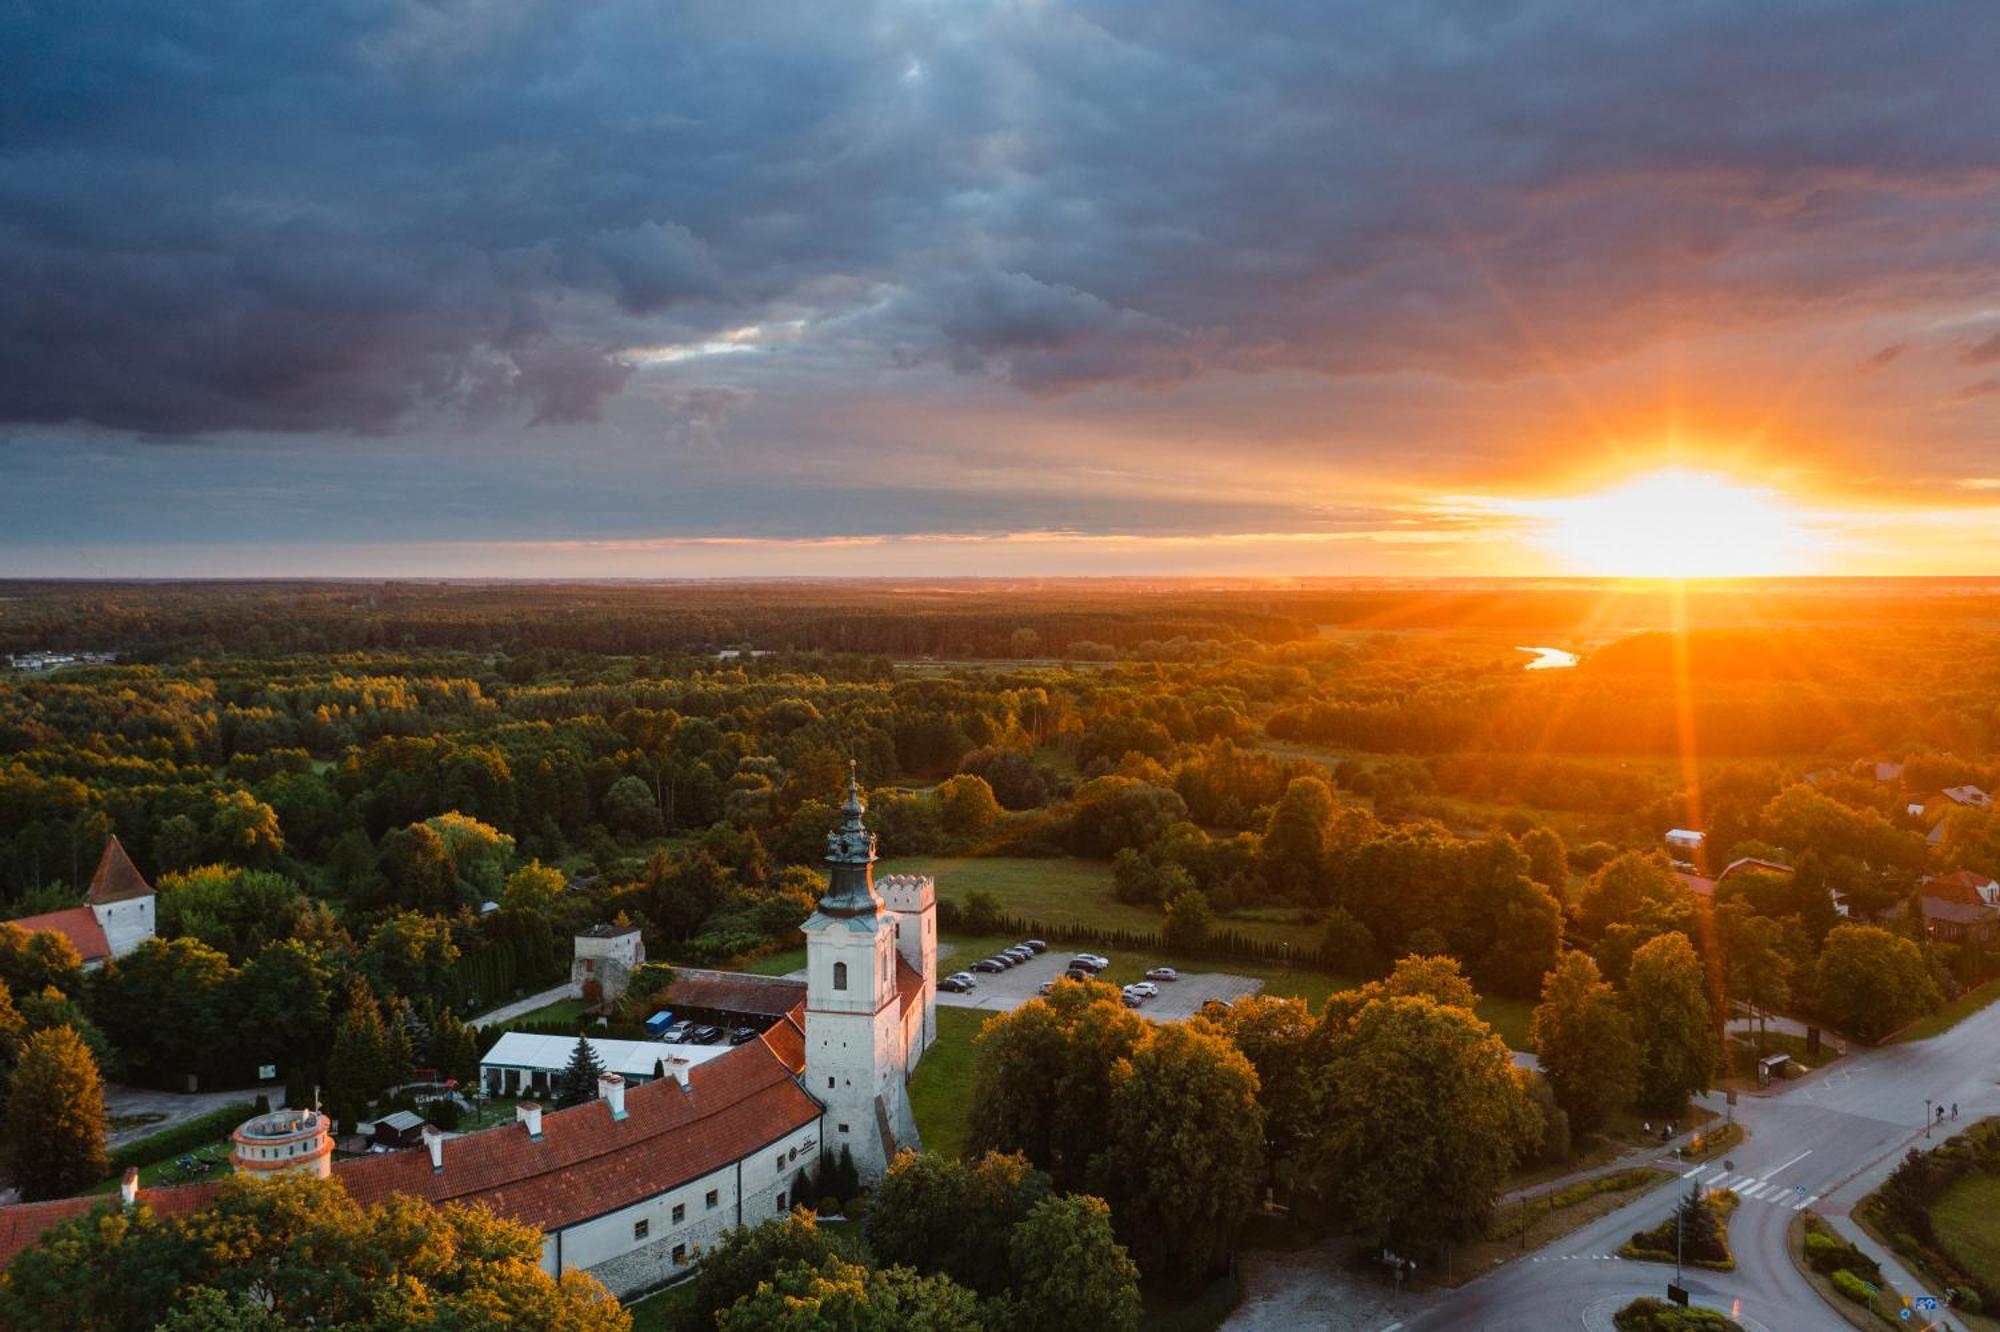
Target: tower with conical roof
857, 1047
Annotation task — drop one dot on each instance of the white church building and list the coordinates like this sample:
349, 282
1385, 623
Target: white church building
634, 1186
116, 915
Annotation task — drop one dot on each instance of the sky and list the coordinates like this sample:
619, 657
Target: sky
1332, 287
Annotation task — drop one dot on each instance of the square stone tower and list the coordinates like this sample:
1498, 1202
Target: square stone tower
912, 901
855, 1054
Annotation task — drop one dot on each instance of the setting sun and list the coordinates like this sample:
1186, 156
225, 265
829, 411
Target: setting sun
1674, 523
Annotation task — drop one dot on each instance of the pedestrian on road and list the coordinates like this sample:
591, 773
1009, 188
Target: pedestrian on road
1954, 1109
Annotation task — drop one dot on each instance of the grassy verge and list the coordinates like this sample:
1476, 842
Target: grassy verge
1883, 1305
1968, 1222
1953, 1013
941, 1092
562, 1010
1539, 1218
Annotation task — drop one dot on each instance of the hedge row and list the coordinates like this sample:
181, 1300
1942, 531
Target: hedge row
183, 1137
1221, 945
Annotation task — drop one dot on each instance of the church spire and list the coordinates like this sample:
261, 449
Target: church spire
850, 853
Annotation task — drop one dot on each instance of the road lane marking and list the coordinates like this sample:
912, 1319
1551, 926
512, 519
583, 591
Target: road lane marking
1797, 1207
1794, 1161
1754, 1191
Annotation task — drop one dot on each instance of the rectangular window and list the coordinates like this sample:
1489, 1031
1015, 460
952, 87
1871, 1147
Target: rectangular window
639, 1229
843, 1128
713, 1198
781, 1202
829, 1084
680, 1213
780, 1164
680, 1253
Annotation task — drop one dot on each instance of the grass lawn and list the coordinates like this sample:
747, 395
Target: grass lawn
164, 1172
562, 1010
1968, 1222
1062, 890
1953, 1013
776, 964
941, 1092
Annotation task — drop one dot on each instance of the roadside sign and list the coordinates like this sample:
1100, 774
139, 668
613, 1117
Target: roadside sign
1678, 1294
1731, 1096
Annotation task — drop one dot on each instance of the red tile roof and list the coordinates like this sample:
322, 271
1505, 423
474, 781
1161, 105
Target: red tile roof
77, 924
787, 1039
736, 992
1699, 885
117, 879
585, 1163
909, 985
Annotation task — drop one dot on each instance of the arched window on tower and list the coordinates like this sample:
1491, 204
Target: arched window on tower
840, 975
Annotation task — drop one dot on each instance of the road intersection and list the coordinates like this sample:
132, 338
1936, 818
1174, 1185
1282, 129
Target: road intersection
1821, 1143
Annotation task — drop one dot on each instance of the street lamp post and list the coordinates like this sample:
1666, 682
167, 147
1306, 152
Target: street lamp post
1927, 1116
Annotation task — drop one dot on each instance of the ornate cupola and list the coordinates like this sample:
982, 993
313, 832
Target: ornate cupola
850, 854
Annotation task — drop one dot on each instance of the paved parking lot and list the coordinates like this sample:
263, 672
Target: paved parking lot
1015, 986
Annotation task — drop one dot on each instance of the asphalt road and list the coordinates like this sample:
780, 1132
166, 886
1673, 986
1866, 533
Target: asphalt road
1823, 1142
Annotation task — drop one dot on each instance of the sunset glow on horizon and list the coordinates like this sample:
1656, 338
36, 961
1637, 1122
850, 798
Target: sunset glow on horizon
1675, 523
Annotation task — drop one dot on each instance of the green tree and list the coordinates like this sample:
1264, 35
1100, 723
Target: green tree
1067, 1270
1109, 813
533, 887
1870, 982
839, 1296
166, 1006
577, 1084
630, 809
1184, 1159
1637, 889
310, 1256
1279, 1038
283, 1004
243, 830
235, 911
1548, 859
1424, 1116
363, 1063
31, 961
454, 1048
209, 1309
1188, 922
1583, 1042
1043, 1073
55, 1117
966, 805
410, 953
415, 872
1670, 1013
749, 1256
1296, 840
935, 1214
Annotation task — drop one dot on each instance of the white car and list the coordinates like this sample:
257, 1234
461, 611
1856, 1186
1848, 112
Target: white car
1144, 989
1163, 974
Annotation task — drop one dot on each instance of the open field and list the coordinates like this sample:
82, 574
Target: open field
1064, 891
1968, 1222
562, 1010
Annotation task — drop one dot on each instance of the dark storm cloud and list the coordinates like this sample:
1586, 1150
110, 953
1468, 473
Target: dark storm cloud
356, 215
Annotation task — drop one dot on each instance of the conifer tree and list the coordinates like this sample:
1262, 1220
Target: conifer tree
578, 1082
55, 1117
363, 1063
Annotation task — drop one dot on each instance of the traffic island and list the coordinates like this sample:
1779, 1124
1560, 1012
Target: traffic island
1695, 1234
1848, 1280
1651, 1315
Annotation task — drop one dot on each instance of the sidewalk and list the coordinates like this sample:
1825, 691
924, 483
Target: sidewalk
1659, 1154
520, 1006
1892, 1267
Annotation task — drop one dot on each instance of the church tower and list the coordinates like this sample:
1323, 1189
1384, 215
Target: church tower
855, 1051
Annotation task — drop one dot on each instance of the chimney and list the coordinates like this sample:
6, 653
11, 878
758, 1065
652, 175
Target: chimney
530, 1113
128, 1187
434, 1139
611, 1089
679, 1068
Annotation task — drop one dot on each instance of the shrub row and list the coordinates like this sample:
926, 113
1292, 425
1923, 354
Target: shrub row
182, 1137
1221, 944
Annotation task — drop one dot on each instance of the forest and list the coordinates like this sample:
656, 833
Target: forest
374, 811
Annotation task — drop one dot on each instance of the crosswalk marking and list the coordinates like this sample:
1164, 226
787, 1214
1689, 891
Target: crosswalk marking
1808, 1202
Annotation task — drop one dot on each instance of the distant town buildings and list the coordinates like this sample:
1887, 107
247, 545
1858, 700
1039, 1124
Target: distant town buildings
35, 662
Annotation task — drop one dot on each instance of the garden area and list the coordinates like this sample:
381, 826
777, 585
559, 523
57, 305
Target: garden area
1695, 1233
1940, 1212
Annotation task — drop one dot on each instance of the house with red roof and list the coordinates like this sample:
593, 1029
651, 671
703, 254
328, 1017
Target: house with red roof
633, 1186
116, 915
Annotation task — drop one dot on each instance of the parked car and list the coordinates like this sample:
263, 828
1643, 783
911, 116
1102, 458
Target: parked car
742, 1035
1133, 1000
1035, 946
1045, 987
1017, 955
956, 984
989, 965
1091, 961
678, 1033
1144, 989
1163, 974
705, 1035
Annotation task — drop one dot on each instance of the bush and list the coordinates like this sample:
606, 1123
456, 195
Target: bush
1830, 1253
1853, 1287
182, 1137
1651, 1315
446, 1114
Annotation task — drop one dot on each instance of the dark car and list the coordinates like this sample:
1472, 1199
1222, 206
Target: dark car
742, 1035
705, 1035
1078, 972
955, 985
989, 965
1018, 955
1035, 946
